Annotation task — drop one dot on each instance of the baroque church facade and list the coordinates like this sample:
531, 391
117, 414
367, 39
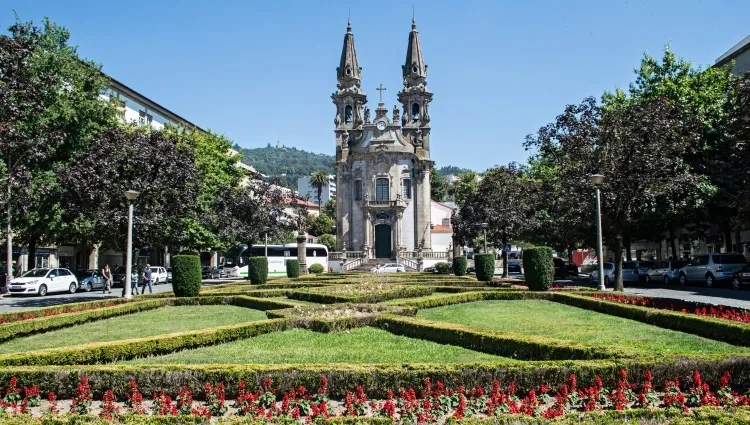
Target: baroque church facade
383, 161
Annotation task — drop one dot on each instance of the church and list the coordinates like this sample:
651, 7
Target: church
383, 161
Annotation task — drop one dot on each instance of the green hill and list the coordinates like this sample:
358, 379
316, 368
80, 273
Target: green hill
288, 164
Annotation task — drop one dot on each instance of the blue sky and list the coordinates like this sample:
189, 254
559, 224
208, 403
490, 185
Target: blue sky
261, 71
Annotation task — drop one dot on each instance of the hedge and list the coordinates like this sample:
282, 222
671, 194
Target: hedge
484, 264
186, 275
10, 317
699, 416
321, 297
467, 297
43, 324
258, 270
292, 268
317, 269
134, 348
538, 268
459, 266
707, 327
507, 344
442, 268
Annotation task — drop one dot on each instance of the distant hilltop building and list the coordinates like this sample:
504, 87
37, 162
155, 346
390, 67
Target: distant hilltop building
279, 145
383, 163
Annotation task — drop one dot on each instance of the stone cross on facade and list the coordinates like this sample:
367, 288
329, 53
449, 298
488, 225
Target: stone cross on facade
380, 89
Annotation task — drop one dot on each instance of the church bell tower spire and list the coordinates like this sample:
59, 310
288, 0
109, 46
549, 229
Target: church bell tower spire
415, 97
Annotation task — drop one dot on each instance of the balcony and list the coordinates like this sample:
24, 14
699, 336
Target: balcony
398, 203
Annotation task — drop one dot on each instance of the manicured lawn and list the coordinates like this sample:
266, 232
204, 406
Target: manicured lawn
362, 345
148, 323
291, 301
554, 320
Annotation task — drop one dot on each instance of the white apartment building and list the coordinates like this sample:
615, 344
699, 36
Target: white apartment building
304, 188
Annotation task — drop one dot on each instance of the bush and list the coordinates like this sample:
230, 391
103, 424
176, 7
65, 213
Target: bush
459, 266
538, 267
292, 268
485, 266
317, 269
443, 268
258, 270
186, 275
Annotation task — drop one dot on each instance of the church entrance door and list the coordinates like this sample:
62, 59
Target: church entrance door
383, 241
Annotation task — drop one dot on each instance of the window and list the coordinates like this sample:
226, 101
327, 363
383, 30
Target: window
358, 190
415, 111
381, 190
406, 188
144, 118
42, 261
348, 114
703, 260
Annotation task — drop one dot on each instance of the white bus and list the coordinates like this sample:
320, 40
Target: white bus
235, 260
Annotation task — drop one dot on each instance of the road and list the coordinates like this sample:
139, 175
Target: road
10, 303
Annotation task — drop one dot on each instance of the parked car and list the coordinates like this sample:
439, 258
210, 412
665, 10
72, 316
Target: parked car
210, 272
712, 268
665, 271
609, 274
390, 268
741, 277
630, 272
135, 276
572, 268
2, 277
471, 270
514, 267
561, 270
44, 281
223, 273
643, 266
432, 269
169, 275
89, 279
158, 275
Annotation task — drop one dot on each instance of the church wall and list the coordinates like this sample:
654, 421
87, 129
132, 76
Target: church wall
357, 228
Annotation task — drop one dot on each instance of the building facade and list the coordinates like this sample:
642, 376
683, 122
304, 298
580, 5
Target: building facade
305, 189
383, 162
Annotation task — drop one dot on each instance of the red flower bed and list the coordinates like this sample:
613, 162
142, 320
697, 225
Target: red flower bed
433, 403
720, 312
47, 313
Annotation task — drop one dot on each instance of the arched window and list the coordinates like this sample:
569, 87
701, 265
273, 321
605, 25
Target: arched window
381, 189
415, 111
348, 114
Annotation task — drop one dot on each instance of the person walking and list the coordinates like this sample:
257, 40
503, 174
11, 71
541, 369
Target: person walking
133, 286
147, 280
107, 276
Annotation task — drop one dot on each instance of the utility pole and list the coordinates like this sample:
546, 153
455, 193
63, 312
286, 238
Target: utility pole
9, 257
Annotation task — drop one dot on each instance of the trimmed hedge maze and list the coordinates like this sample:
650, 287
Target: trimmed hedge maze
357, 349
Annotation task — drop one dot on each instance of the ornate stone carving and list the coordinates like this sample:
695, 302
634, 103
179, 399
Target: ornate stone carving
367, 115
418, 138
404, 119
345, 139
425, 114
396, 112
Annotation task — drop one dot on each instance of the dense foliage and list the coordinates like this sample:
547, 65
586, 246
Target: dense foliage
257, 270
186, 275
442, 268
484, 265
459, 266
292, 268
317, 268
539, 270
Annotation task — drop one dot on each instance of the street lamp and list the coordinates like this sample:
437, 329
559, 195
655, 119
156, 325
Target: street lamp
265, 232
484, 226
597, 180
130, 195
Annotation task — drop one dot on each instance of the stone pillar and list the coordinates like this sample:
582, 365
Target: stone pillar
368, 233
94, 257
302, 252
422, 209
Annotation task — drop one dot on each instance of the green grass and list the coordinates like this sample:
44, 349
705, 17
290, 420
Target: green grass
361, 345
554, 320
292, 301
149, 323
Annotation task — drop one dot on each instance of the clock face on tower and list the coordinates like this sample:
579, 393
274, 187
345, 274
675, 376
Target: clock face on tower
381, 125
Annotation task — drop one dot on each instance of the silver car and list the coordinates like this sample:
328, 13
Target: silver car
711, 268
665, 271
630, 272
609, 274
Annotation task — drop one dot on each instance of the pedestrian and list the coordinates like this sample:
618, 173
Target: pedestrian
107, 276
133, 286
147, 280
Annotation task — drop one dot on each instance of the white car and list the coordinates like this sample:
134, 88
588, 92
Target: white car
390, 268
159, 275
43, 281
609, 274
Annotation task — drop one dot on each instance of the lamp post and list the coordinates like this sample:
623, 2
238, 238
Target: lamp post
597, 180
484, 227
130, 195
265, 231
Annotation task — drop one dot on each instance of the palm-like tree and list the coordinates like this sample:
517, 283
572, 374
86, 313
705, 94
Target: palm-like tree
318, 180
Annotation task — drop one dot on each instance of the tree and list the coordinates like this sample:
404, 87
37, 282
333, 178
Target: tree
438, 186
318, 180
329, 209
154, 163
463, 188
738, 123
639, 145
320, 225
328, 240
503, 200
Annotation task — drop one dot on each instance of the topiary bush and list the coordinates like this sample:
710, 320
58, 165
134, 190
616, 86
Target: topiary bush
316, 268
538, 267
292, 268
485, 266
443, 268
186, 275
258, 270
459, 266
